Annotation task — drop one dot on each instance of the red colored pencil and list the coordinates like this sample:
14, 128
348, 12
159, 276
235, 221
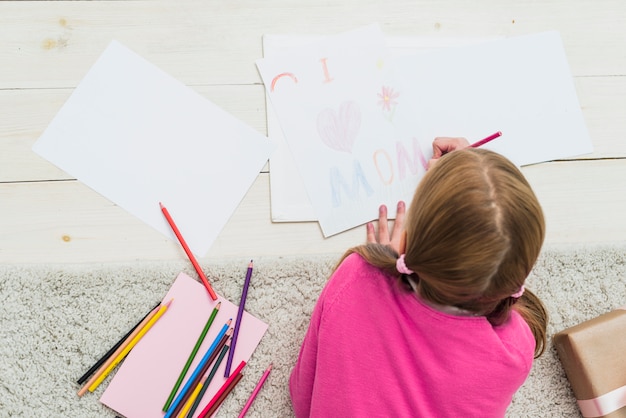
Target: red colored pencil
223, 396
485, 140
223, 389
188, 251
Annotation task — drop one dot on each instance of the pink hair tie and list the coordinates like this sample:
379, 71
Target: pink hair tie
519, 293
401, 266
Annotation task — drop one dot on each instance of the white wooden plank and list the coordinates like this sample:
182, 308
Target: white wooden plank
68, 222
27, 113
52, 44
48, 47
584, 202
603, 102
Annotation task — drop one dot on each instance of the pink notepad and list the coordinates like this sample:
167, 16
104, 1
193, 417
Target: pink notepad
142, 384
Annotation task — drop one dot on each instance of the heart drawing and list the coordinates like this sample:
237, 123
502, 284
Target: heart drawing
339, 130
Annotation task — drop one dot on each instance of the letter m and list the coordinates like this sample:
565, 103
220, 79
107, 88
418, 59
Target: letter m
338, 184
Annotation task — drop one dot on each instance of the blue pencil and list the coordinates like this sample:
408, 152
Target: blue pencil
233, 343
207, 381
198, 370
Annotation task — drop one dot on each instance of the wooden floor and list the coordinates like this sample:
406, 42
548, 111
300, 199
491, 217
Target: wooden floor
46, 47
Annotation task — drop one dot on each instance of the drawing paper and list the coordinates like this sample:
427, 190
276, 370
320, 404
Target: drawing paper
473, 88
521, 86
137, 136
336, 108
145, 379
289, 200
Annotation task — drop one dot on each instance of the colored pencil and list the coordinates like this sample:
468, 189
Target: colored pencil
190, 401
196, 372
198, 378
256, 390
193, 260
485, 140
196, 347
221, 390
244, 294
130, 346
207, 381
223, 396
106, 364
113, 349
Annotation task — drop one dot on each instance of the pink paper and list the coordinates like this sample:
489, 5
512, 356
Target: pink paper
146, 377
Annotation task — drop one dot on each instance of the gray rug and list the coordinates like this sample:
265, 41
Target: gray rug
57, 320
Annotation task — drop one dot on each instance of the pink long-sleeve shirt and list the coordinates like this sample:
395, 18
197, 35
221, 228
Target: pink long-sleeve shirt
375, 349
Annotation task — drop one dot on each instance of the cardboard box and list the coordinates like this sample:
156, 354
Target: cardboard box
593, 355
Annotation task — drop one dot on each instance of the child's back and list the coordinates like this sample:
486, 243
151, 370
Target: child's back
381, 351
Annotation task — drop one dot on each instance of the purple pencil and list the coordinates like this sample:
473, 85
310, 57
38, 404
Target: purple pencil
244, 294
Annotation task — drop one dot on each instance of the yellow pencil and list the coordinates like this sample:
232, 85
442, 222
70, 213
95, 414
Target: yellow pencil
190, 401
130, 346
121, 348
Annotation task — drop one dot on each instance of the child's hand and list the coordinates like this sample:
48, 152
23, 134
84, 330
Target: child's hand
443, 145
383, 236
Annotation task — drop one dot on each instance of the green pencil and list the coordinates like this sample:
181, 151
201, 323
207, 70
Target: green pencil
191, 356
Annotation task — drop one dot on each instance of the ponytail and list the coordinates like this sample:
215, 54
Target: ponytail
532, 310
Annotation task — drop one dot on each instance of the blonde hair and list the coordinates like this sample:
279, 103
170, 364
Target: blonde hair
474, 232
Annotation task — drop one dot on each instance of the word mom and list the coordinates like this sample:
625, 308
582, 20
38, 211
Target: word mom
385, 173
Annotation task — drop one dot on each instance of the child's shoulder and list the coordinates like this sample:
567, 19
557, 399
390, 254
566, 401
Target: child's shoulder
355, 266
354, 275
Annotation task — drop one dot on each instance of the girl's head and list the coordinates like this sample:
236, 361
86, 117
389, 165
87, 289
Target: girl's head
473, 233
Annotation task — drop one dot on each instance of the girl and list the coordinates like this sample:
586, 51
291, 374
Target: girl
432, 320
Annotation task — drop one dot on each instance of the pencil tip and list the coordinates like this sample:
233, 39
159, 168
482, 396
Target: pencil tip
161, 205
169, 302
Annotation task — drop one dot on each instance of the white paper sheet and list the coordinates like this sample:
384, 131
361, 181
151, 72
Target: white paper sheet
289, 200
521, 86
339, 128
139, 137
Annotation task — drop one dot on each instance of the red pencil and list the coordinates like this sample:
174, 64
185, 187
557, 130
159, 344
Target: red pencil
223, 396
223, 389
188, 251
484, 141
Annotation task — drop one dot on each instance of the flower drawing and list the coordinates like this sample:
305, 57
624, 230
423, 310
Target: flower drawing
387, 98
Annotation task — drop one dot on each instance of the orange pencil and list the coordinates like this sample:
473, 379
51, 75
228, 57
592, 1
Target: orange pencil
188, 251
117, 352
130, 345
